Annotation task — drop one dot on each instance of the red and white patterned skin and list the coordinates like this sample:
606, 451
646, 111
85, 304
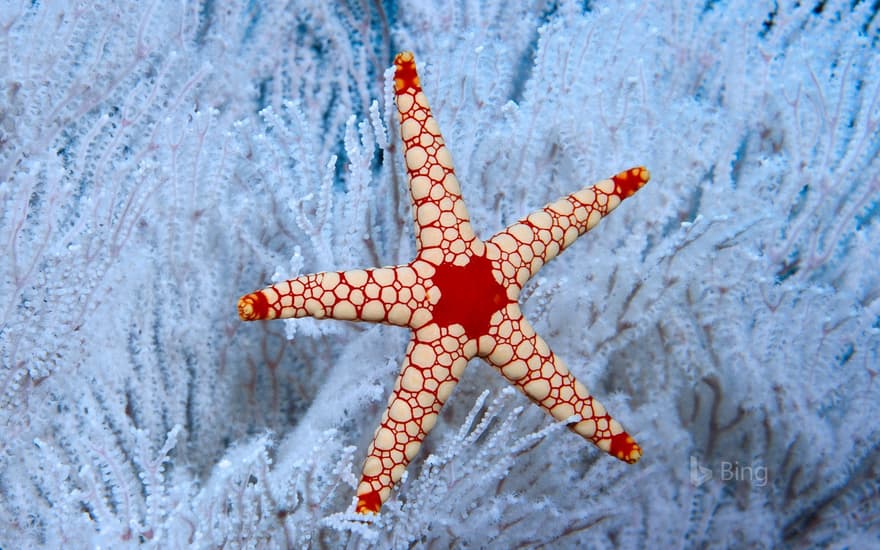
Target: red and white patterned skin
459, 297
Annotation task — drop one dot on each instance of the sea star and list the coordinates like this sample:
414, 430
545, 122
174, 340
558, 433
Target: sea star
459, 296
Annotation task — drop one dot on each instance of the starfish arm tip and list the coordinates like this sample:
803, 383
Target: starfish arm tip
630, 181
403, 57
253, 307
369, 503
405, 74
625, 448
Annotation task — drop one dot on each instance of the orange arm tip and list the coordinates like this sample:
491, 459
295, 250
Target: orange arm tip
405, 74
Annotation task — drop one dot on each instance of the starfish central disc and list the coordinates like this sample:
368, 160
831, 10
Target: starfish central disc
469, 295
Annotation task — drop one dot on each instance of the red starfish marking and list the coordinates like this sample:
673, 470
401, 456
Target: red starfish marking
474, 286
405, 75
459, 296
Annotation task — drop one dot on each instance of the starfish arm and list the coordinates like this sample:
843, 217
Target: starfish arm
527, 245
443, 229
393, 295
434, 361
525, 359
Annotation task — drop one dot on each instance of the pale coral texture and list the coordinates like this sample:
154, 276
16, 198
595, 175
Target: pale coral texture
160, 159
